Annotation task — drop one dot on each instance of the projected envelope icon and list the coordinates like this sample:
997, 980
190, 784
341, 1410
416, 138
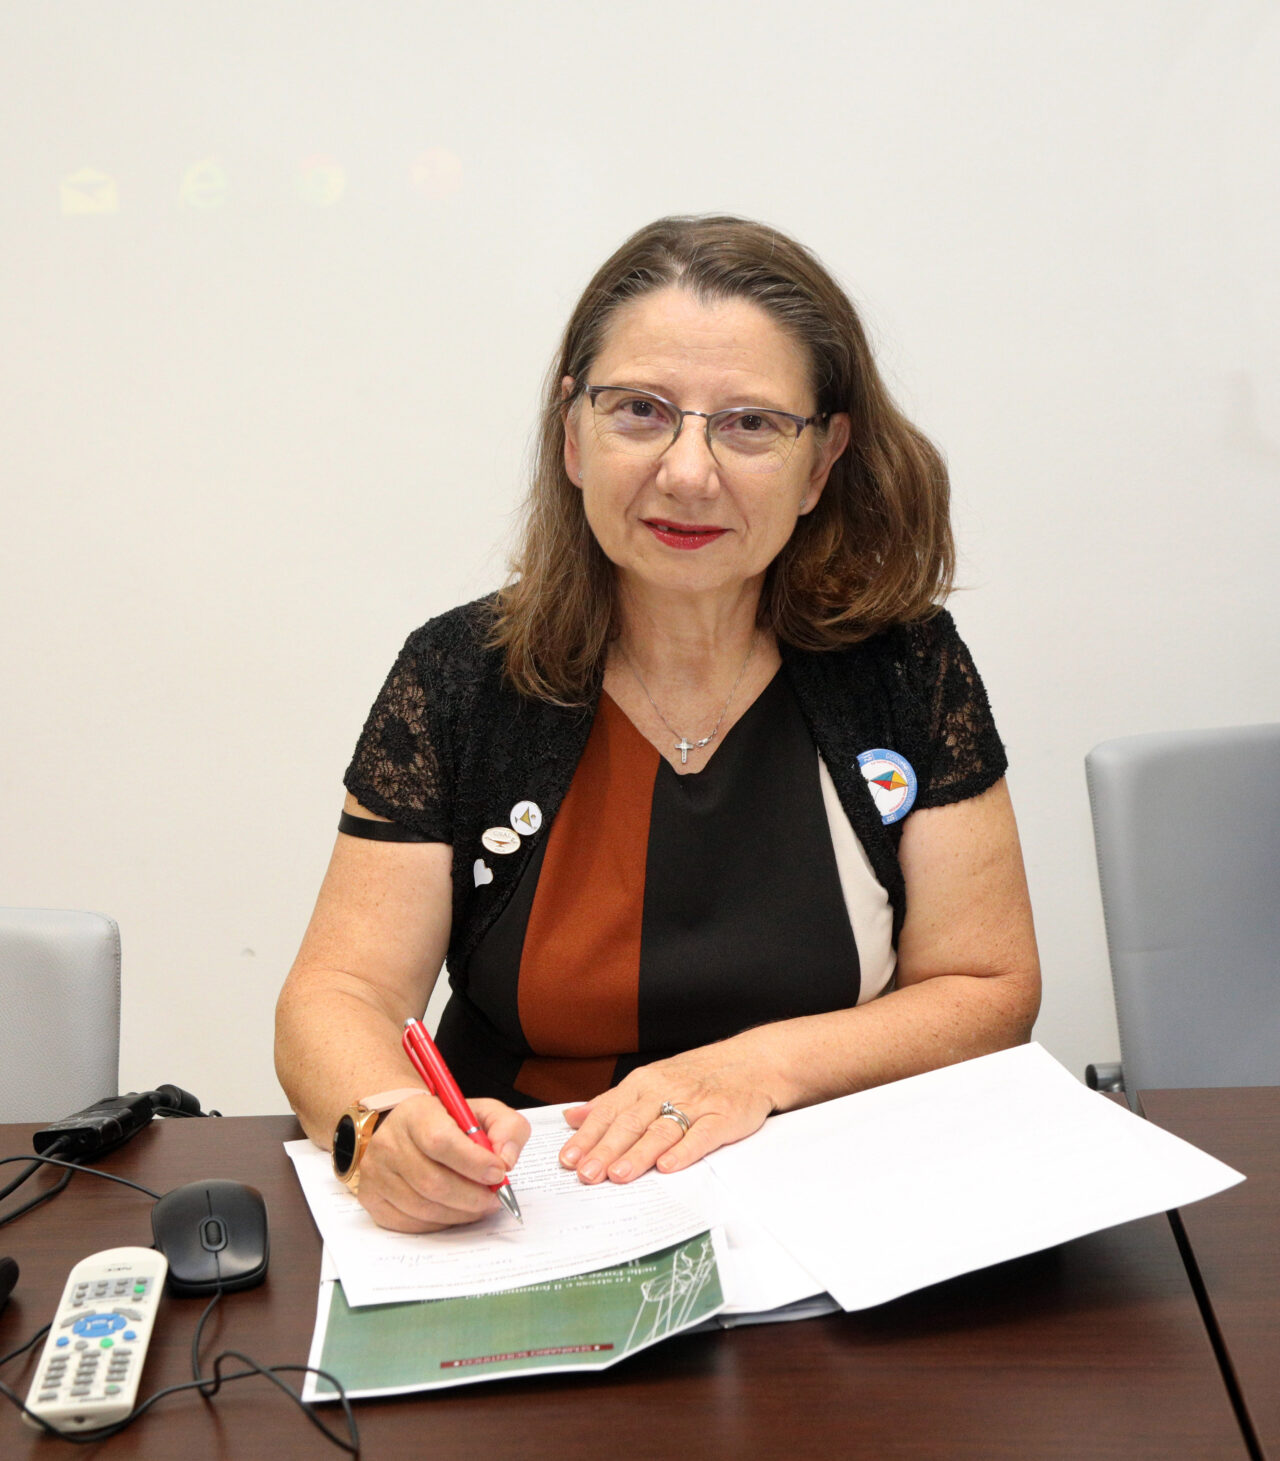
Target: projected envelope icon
205, 184
89, 191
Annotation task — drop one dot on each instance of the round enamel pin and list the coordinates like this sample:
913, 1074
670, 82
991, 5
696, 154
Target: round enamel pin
501, 840
526, 818
892, 782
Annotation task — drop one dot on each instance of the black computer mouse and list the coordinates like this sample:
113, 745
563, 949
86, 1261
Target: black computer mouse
214, 1234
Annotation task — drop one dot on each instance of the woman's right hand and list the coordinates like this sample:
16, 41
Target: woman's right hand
419, 1173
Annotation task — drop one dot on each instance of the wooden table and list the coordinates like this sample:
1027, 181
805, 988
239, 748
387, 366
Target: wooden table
1235, 1238
1095, 1349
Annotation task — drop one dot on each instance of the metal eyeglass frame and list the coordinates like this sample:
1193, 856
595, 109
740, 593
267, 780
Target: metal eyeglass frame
591, 392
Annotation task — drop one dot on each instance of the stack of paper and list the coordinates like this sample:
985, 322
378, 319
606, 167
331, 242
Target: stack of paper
838, 1204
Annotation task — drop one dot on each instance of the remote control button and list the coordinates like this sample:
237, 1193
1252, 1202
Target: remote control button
48, 1395
82, 1344
130, 1334
79, 1391
63, 1341
106, 1343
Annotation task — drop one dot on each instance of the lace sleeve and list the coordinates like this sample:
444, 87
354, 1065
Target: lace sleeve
401, 764
968, 756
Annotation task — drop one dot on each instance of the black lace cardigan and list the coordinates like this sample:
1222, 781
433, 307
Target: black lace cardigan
450, 747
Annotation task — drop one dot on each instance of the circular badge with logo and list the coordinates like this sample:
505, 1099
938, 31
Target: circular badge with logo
526, 818
892, 782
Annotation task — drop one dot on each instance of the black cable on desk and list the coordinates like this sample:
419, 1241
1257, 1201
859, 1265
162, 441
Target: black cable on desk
32, 1164
207, 1385
30, 1344
210, 1385
72, 1168
218, 1379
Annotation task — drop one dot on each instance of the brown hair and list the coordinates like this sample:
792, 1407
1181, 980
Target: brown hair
876, 550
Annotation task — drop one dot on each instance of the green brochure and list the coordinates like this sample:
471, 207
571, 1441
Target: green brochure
586, 1322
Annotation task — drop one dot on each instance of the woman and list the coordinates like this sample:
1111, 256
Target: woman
706, 808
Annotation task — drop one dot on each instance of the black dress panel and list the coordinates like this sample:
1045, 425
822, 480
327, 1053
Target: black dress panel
730, 915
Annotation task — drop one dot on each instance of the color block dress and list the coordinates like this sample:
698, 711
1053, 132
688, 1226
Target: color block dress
651, 912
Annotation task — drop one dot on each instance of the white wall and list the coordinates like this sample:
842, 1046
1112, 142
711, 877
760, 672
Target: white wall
249, 440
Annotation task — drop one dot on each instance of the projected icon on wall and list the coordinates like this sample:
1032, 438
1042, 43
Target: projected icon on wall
89, 191
204, 185
321, 181
436, 173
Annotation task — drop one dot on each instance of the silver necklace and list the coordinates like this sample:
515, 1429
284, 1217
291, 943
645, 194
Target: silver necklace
683, 744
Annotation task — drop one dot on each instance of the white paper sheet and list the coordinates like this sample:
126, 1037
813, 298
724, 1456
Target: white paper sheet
757, 1272
886, 1191
568, 1228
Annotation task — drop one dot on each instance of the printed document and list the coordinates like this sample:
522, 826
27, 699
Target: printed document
568, 1228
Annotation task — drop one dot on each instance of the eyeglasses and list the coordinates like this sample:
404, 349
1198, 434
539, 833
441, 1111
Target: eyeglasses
751, 439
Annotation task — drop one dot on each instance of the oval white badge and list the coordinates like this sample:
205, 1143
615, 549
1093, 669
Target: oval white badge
501, 840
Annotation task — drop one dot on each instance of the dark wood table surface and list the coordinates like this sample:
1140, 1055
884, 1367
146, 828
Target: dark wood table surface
1235, 1237
1095, 1349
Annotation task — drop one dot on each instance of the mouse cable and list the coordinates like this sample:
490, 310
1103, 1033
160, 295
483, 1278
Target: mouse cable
30, 1344
90, 1438
72, 1169
207, 1386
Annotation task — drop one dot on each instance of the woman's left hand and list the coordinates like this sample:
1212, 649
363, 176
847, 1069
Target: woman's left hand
621, 1134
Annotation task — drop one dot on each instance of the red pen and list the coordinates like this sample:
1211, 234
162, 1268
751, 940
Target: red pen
429, 1063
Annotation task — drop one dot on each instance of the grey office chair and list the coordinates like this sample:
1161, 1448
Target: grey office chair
1186, 826
59, 1012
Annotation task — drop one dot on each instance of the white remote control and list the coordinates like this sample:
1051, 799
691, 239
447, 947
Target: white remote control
92, 1359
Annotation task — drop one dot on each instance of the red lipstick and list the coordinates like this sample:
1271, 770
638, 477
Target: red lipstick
683, 535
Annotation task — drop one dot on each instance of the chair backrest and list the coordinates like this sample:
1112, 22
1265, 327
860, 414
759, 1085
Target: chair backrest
1187, 830
59, 1012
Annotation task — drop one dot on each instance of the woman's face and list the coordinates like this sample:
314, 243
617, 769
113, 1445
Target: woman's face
686, 521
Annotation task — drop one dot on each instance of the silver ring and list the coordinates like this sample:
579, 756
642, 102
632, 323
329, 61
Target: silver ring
674, 1113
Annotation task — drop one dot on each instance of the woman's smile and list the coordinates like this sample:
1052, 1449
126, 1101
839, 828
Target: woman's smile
682, 535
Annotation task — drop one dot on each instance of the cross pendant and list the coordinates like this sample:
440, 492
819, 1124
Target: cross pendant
684, 747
